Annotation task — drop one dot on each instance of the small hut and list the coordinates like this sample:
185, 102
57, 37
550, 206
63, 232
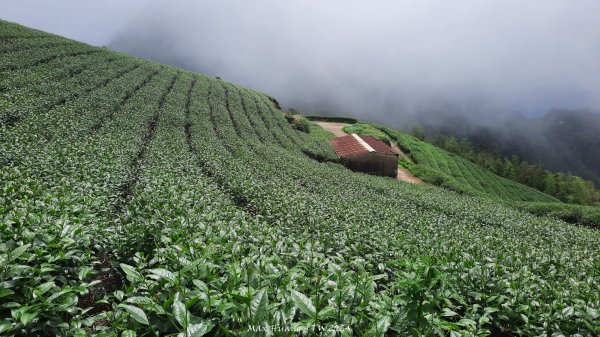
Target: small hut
367, 154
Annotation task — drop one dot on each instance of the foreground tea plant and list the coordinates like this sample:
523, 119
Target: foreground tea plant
139, 199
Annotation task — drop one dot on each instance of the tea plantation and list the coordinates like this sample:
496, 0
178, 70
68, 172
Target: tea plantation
454, 172
141, 199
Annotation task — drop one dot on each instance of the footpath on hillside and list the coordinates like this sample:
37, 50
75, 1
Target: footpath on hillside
333, 127
403, 174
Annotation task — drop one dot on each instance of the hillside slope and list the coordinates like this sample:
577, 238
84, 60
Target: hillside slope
189, 205
452, 171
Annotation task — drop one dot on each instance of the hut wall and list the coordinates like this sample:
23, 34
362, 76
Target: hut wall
374, 163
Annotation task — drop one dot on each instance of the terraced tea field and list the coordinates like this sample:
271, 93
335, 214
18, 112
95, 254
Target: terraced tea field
454, 172
141, 199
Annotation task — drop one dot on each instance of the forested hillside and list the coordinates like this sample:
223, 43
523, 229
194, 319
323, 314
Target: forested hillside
561, 140
564, 186
454, 172
138, 198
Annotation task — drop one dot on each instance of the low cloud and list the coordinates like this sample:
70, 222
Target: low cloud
387, 61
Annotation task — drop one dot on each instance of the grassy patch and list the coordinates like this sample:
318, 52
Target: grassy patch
317, 132
367, 130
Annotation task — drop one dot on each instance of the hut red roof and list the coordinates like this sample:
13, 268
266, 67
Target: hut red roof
355, 145
378, 145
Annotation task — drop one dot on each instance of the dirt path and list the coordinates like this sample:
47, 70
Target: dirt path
399, 150
406, 176
335, 128
403, 174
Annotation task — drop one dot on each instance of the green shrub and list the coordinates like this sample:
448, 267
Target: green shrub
298, 122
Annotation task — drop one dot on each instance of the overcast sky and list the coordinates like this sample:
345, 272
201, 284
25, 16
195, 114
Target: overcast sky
374, 59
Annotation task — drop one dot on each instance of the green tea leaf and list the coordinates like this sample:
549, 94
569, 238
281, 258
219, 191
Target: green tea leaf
304, 303
181, 314
139, 300
378, 277
17, 252
43, 288
128, 333
467, 323
5, 326
132, 274
119, 295
84, 272
195, 330
259, 305
136, 313
327, 312
568, 311
6, 292
448, 313
163, 274
383, 323
9, 305
27, 317
200, 285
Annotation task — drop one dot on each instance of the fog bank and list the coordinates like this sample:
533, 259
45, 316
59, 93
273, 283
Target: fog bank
386, 61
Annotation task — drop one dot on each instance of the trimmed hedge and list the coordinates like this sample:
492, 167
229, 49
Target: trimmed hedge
333, 119
575, 214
